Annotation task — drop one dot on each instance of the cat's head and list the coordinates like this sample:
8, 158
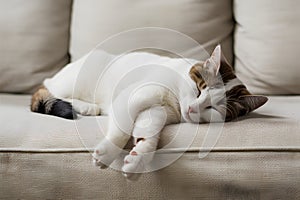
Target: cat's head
222, 96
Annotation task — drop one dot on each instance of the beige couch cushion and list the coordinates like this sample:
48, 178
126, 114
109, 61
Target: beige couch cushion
34, 42
207, 22
274, 126
267, 45
46, 157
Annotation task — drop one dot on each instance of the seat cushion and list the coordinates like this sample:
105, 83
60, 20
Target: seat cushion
274, 126
207, 22
267, 45
34, 42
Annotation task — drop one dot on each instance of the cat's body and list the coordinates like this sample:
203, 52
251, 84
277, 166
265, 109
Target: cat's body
142, 93
107, 76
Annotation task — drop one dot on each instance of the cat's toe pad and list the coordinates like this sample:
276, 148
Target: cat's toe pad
133, 163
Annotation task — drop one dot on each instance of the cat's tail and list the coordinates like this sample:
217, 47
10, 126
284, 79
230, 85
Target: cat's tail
44, 102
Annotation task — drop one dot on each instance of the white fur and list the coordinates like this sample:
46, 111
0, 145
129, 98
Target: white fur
141, 93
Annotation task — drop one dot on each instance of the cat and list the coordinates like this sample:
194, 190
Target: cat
188, 90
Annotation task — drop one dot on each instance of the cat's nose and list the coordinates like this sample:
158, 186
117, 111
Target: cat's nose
191, 110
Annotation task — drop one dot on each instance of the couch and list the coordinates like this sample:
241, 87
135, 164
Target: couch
255, 157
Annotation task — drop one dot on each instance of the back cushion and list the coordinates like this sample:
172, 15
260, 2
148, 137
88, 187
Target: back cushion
34, 38
209, 22
267, 45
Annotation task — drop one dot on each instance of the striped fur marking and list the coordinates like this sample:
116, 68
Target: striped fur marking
44, 102
239, 101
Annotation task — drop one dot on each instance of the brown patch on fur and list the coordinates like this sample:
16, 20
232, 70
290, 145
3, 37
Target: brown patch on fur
41, 95
234, 107
237, 91
200, 76
239, 101
44, 102
226, 71
197, 75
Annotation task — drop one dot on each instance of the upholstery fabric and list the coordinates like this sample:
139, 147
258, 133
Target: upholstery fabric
47, 157
267, 45
34, 42
264, 128
207, 22
220, 175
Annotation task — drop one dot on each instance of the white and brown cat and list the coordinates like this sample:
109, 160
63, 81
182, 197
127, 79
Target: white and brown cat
170, 90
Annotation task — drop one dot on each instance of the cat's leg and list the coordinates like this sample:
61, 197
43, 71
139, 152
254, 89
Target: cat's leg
119, 132
85, 108
146, 134
140, 157
123, 113
111, 146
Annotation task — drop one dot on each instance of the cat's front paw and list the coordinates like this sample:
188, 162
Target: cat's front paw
133, 165
105, 153
136, 163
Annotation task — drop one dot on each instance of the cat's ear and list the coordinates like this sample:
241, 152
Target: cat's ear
253, 101
213, 63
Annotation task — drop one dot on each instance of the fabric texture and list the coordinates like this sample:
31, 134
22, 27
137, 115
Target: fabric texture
267, 45
48, 157
207, 22
265, 128
220, 175
34, 42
